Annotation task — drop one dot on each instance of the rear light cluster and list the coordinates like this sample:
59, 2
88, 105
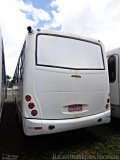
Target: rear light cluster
31, 105
108, 102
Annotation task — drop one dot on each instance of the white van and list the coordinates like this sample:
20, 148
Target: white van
114, 78
3, 85
61, 83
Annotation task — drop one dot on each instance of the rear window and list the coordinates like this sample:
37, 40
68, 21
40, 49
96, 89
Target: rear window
66, 52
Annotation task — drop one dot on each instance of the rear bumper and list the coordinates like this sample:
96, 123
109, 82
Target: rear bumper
34, 127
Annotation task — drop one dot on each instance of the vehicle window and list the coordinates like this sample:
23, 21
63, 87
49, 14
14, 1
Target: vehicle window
66, 52
112, 68
20, 66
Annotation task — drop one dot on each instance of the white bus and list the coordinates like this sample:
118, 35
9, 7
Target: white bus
61, 83
3, 85
114, 79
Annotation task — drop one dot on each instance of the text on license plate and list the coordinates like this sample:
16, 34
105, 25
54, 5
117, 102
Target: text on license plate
73, 108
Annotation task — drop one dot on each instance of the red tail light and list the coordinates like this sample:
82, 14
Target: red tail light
34, 112
28, 98
38, 128
31, 105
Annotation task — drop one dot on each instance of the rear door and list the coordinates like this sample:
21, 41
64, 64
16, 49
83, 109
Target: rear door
70, 78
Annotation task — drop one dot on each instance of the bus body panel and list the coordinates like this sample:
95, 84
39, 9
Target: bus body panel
55, 92
114, 94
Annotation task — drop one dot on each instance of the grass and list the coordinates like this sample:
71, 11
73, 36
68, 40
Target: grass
99, 142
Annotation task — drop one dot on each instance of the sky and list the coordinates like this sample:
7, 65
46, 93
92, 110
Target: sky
98, 19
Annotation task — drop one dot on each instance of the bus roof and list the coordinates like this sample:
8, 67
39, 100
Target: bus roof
61, 33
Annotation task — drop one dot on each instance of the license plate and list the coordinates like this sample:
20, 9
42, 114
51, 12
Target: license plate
75, 107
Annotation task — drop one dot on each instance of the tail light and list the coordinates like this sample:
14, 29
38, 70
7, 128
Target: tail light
34, 112
108, 102
107, 106
31, 105
28, 98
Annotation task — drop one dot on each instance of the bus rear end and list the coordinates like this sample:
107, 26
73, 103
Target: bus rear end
70, 87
